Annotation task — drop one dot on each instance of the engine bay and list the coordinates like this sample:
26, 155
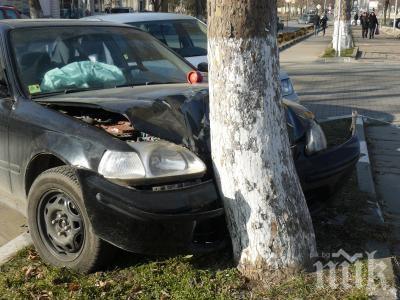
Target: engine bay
113, 123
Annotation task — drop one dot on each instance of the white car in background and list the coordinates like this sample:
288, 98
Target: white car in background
185, 35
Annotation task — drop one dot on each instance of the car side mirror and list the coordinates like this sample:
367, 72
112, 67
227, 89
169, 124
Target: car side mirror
203, 67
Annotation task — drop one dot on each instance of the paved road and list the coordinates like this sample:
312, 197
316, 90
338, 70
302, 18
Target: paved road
12, 224
369, 85
292, 26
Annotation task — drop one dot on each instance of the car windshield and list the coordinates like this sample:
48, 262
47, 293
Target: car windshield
287, 87
68, 59
186, 37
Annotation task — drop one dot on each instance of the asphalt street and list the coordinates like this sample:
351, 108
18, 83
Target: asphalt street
334, 87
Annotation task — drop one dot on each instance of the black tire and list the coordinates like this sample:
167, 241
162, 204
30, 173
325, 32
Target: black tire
56, 195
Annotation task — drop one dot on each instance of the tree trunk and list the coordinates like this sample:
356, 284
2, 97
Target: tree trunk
342, 38
386, 6
267, 215
35, 9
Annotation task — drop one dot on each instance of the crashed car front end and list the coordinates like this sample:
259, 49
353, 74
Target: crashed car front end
321, 166
161, 196
136, 134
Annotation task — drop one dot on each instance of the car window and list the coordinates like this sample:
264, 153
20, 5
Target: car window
186, 37
11, 14
57, 59
2, 15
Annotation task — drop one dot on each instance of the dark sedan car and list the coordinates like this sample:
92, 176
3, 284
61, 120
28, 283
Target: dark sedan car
105, 143
397, 23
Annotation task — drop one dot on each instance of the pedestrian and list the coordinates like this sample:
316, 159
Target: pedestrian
355, 19
372, 23
316, 22
324, 23
364, 25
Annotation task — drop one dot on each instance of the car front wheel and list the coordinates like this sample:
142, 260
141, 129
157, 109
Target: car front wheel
59, 225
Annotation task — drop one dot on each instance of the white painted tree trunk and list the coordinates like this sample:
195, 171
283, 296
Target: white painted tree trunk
342, 37
35, 9
267, 216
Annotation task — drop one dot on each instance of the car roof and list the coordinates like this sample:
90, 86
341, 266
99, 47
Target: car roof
139, 17
29, 23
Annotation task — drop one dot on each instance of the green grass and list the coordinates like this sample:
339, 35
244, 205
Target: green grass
330, 52
26, 277
201, 277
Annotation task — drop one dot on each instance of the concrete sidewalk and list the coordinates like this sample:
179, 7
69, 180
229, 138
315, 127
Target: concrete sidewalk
308, 50
12, 224
384, 48
335, 88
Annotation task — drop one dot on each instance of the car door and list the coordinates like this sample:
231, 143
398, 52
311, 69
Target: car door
6, 103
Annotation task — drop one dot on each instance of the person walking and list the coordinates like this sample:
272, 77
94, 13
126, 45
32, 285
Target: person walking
364, 25
372, 23
355, 19
316, 22
324, 23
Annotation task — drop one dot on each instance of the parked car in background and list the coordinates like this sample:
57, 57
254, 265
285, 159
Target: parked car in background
280, 25
397, 23
306, 19
9, 12
121, 10
185, 35
105, 142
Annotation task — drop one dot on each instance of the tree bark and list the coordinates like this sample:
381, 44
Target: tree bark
342, 38
160, 5
266, 212
386, 6
35, 9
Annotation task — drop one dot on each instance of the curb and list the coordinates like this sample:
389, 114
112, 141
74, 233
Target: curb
9, 250
389, 31
366, 184
355, 52
364, 176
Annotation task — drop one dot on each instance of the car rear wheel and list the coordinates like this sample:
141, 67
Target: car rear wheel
59, 225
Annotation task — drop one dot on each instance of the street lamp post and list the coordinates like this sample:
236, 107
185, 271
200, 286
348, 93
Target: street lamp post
339, 33
394, 17
287, 13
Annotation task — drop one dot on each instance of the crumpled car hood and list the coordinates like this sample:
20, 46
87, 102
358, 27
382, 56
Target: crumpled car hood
178, 113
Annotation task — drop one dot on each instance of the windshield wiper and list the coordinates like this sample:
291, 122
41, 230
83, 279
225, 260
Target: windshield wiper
61, 92
77, 90
166, 82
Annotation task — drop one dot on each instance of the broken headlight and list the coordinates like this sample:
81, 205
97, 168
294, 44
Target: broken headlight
158, 160
316, 140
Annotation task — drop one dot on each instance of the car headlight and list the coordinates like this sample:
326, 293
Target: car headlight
151, 160
121, 165
316, 140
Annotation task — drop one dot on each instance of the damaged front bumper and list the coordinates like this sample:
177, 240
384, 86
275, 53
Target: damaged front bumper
182, 220
322, 173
